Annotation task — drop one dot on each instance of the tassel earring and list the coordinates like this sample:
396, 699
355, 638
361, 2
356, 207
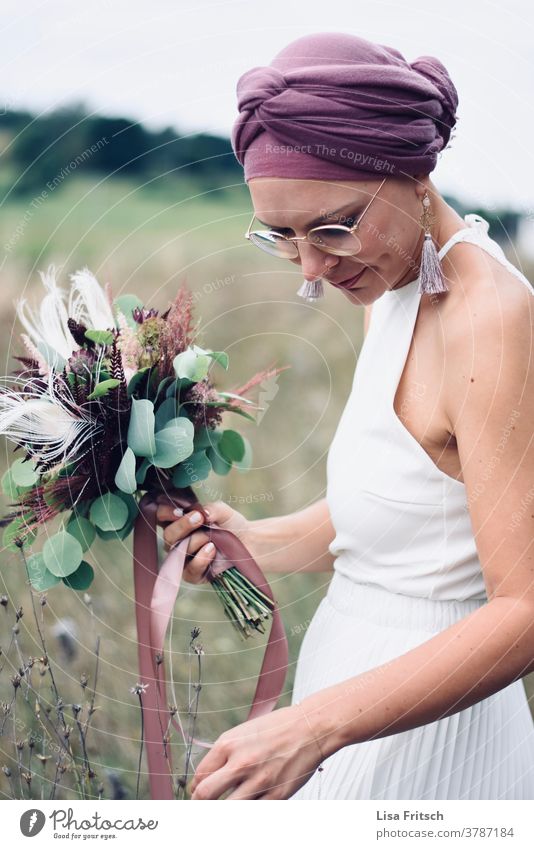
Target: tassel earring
312, 290
431, 279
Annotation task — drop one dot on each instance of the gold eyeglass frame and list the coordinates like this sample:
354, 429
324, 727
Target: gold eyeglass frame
320, 227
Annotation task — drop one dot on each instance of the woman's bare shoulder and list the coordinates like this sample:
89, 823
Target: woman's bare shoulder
483, 293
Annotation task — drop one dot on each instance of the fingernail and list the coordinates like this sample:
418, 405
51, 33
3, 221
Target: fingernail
178, 511
207, 512
208, 546
195, 517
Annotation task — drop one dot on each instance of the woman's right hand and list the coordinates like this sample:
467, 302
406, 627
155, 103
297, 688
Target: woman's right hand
177, 526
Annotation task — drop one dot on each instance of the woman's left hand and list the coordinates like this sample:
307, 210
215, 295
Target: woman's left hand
269, 757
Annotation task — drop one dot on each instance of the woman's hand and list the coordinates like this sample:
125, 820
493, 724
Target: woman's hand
269, 757
178, 526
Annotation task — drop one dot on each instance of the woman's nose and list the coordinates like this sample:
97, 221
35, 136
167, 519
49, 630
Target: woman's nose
314, 262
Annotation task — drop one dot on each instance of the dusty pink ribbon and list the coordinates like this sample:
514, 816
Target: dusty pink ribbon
155, 596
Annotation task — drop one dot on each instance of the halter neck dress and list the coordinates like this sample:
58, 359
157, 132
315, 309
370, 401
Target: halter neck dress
406, 568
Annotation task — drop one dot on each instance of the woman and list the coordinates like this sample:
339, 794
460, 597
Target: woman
408, 680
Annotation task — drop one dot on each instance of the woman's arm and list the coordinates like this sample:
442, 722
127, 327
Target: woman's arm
491, 406
471, 660
297, 542
490, 401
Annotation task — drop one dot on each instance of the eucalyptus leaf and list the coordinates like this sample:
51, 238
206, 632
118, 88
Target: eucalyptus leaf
116, 535
109, 512
82, 578
197, 467
141, 437
245, 463
191, 365
221, 466
173, 444
131, 503
166, 411
125, 475
62, 554
231, 446
24, 473
206, 437
82, 529
177, 385
41, 578
140, 474
136, 379
10, 488
219, 356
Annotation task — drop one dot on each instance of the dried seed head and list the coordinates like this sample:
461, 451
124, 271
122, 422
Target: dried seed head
76, 709
20, 745
42, 600
4, 600
159, 658
6, 771
138, 689
195, 632
27, 776
19, 613
84, 680
15, 680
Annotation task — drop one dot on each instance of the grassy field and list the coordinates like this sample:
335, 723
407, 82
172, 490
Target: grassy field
147, 240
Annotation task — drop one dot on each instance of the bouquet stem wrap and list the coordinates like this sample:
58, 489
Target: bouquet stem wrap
155, 596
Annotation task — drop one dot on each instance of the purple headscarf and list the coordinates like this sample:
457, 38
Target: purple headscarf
335, 106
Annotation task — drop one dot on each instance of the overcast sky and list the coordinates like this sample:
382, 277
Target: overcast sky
177, 62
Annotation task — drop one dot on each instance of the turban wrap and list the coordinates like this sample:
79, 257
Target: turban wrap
335, 106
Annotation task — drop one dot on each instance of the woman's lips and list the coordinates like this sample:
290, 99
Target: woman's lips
351, 282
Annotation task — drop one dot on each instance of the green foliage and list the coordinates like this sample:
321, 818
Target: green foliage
82, 530
17, 529
24, 473
191, 365
125, 475
231, 445
99, 337
141, 437
41, 578
62, 554
108, 512
82, 578
103, 388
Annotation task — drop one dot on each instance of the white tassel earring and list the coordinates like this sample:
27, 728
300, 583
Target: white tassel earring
431, 279
312, 290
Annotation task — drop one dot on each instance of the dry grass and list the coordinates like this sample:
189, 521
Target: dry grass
146, 242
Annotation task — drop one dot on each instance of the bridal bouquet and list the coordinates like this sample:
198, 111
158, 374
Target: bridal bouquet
113, 399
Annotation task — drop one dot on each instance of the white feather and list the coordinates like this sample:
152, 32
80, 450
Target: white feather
44, 424
88, 302
50, 324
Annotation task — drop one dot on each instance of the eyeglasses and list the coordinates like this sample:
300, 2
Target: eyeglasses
330, 238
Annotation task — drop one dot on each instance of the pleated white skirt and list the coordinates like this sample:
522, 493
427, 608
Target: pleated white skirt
483, 752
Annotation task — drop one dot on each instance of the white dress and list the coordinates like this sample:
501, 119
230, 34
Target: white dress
406, 568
